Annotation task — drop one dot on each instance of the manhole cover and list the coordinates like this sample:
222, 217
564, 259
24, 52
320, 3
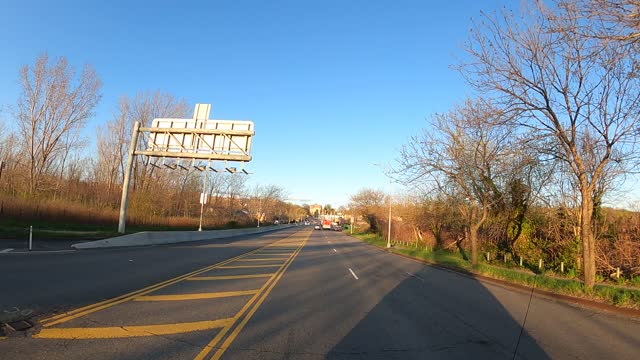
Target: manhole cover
21, 325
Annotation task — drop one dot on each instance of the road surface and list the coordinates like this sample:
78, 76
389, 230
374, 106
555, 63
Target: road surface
291, 294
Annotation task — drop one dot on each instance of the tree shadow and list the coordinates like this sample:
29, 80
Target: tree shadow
396, 309
428, 316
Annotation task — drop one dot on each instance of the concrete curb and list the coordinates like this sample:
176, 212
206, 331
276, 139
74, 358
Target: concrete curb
146, 238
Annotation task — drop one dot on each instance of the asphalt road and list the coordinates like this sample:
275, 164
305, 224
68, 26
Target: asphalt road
292, 294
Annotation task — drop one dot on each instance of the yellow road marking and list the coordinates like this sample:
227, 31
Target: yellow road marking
130, 331
230, 277
272, 254
268, 285
123, 298
247, 266
169, 328
70, 315
179, 297
271, 259
225, 345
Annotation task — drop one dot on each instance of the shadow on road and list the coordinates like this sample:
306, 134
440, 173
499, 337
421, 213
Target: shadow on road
428, 317
397, 309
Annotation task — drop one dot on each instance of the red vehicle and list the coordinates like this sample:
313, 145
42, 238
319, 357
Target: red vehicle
326, 224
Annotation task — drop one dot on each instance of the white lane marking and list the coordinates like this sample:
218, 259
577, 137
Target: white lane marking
354, 274
6, 250
334, 250
415, 276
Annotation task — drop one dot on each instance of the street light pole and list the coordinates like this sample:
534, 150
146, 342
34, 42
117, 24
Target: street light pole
389, 237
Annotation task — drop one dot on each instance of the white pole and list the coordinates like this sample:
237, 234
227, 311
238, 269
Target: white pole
30, 237
203, 199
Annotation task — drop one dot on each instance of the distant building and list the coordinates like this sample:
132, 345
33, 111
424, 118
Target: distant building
315, 209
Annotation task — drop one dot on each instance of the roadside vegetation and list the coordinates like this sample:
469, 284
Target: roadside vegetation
514, 181
624, 294
49, 178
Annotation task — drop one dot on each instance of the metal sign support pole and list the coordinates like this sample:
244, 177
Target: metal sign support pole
127, 177
203, 198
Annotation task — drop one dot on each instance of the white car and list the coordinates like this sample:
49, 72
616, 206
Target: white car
317, 227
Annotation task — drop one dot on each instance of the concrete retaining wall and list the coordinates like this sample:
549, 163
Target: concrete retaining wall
170, 237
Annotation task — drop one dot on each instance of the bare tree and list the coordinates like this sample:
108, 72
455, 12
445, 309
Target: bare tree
52, 107
368, 203
617, 20
577, 94
263, 201
463, 152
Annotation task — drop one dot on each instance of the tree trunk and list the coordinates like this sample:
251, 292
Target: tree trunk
588, 240
473, 237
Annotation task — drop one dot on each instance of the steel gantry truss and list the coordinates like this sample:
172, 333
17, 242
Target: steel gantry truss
199, 140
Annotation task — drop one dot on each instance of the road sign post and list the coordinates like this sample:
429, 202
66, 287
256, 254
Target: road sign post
127, 179
198, 141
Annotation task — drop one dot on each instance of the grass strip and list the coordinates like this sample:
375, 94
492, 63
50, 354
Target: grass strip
618, 296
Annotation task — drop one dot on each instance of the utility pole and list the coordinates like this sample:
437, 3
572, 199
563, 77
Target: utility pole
389, 237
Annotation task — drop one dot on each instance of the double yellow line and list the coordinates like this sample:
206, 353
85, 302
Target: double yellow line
64, 317
238, 322
76, 313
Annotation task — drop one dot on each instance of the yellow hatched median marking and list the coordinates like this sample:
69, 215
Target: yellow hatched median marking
248, 266
130, 331
272, 254
200, 296
64, 317
270, 259
260, 296
230, 277
79, 312
139, 295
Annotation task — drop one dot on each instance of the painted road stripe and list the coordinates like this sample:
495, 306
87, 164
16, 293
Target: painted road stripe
130, 331
270, 259
200, 296
126, 297
334, 250
354, 274
225, 345
247, 266
273, 254
6, 250
268, 286
76, 313
230, 277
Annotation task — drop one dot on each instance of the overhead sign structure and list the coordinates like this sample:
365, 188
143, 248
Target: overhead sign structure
200, 140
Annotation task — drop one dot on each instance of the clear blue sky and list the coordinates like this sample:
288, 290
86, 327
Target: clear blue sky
332, 86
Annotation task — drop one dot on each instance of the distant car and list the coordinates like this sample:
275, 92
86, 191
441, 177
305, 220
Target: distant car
337, 228
317, 227
306, 223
